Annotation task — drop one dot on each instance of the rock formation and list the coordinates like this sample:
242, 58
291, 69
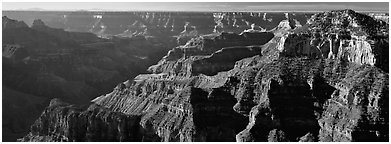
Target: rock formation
10, 23
214, 53
344, 35
182, 25
64, 122
270, 86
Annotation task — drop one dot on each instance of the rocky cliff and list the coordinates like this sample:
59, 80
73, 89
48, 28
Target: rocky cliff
64, 122
210, 54
344, 35
268, 86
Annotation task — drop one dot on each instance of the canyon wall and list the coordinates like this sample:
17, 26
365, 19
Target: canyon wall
282, 87
181, 25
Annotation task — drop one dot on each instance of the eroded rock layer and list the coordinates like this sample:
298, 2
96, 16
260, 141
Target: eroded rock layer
63, 122
182, 25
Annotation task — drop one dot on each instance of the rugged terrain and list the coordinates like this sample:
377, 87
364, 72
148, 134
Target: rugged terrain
77, 56
181, 25
322, 80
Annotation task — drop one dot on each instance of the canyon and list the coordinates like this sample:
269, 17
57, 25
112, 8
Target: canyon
226, 77
77, 56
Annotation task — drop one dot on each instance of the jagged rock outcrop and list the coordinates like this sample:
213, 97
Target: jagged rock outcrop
10, 23
64, 122
335, 121
274, 111
223, 60
208, 54
356, 110
279, 88
343, 34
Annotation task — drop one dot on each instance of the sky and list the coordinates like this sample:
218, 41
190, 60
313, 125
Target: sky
196, 6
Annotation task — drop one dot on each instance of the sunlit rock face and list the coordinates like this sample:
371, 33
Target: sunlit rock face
281, 84
350, 56
344, 35
318, 92
356, 109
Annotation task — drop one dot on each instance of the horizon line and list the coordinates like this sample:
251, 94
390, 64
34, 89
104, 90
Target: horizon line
82, 10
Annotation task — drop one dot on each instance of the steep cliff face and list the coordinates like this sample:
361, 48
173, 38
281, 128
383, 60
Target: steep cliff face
61, 121
194, 115
270, 86
295, 95
356, 110
208, 54
343, 79
344, 35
